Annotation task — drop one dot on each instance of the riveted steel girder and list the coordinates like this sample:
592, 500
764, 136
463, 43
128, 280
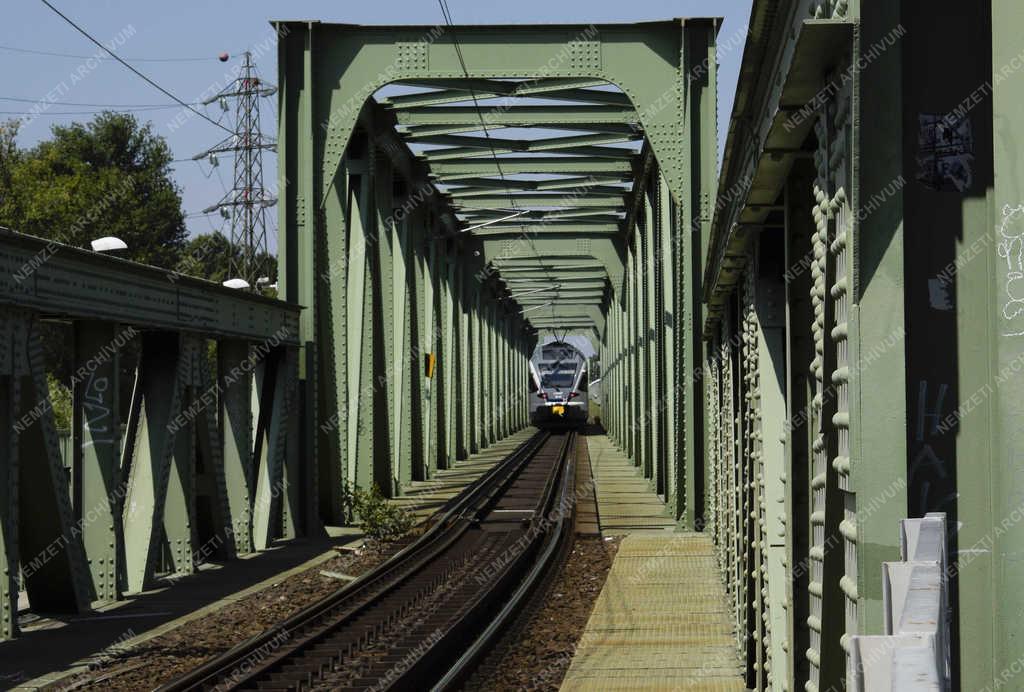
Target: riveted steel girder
40, 546
518, 116
70, 281
340, 200
609, 203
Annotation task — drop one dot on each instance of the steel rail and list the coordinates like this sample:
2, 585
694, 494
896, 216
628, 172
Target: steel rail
554, 543
247, 661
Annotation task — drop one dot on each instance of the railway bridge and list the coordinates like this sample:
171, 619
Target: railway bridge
808, 349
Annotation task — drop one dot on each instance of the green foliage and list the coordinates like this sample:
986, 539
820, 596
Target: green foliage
348, 502
208, 256
110, 176
9, 156
60, 400
379, 519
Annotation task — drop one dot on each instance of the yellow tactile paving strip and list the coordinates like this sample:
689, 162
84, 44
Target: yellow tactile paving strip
661, 621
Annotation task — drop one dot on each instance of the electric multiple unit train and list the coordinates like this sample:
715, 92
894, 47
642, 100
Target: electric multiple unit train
558, 386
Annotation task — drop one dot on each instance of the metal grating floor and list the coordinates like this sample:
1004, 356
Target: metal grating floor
661, 621
625, 501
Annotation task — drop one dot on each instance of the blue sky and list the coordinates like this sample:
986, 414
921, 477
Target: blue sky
147, 32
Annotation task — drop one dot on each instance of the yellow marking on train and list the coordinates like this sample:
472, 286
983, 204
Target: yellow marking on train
558, 410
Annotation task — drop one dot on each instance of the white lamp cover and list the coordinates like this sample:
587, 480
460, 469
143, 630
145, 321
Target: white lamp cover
108, 243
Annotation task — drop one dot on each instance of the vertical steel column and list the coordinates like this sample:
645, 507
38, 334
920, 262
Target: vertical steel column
449, 371
418, 346
97, 454
274, 479
991, 588
799, 437
770, 335
501, 403
12, 338
408, 358
870, 260
624, 400
668, 333
465, 358
435, 291
700, 121
303, 235
180, 529
752, 517
506, 377
630, 428
640, 374
336, 230
474, 371
296, 489
825, 653
361, 342
160, 458
654, 379
395, 267
381, 407
491, 393
235, 380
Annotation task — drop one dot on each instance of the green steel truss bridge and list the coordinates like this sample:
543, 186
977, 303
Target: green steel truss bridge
786, 354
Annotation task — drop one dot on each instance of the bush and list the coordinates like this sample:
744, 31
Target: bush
60, 402
379, 519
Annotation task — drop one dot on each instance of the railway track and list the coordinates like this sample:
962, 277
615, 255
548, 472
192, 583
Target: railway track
425, 618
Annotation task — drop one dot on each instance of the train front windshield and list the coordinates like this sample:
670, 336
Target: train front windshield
558, 380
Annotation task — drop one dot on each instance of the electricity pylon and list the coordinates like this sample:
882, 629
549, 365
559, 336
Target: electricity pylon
245, 204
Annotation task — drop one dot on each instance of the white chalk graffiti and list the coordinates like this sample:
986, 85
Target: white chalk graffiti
98, 416
1011, 248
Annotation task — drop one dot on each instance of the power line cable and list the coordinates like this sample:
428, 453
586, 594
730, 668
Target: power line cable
16, 49
53, 114
118, 58
92, 105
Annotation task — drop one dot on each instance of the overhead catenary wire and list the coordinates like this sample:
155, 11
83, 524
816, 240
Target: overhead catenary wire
121, 60
446, 13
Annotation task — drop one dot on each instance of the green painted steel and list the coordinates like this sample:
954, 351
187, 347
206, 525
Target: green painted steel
41, 546
63, 281
161, 470
127, 515
97, 446
237, 444
888, 381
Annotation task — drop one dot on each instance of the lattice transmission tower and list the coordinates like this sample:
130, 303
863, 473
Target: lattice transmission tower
246, 203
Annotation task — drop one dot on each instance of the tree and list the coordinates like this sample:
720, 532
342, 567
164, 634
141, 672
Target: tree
8, 156
208, 256
110, 176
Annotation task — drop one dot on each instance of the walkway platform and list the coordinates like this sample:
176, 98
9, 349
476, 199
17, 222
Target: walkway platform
51, 648
626, 504
661, 621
